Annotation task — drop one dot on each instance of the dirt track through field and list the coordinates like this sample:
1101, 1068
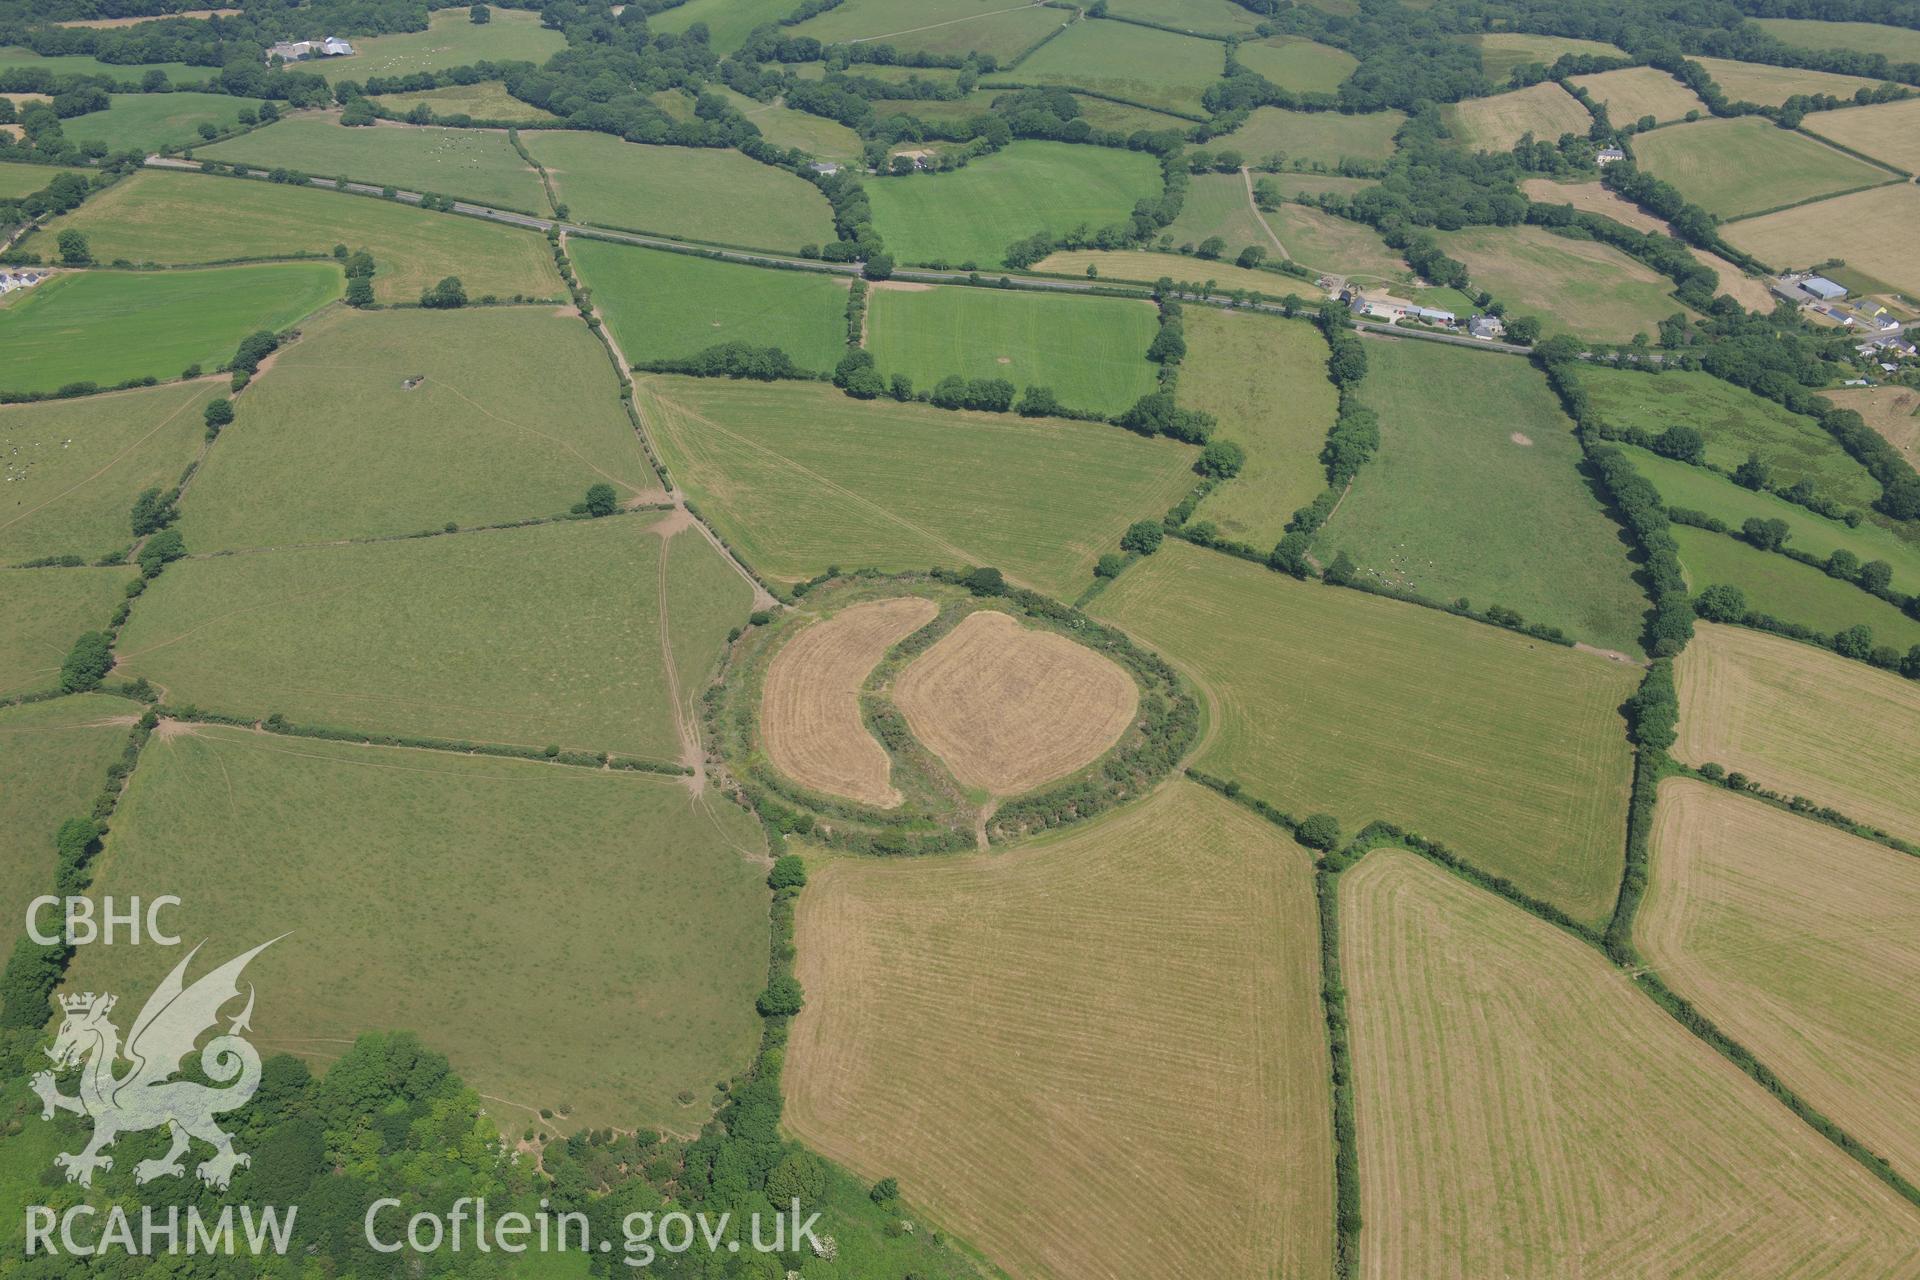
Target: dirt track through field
1008, 707
810, 705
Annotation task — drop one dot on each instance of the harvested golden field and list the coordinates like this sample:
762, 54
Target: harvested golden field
1889, 131
1769, 86
1870, 229
1079, 1052
1799, 941
1793, 718
1494, 124
1008, 708
1591, 197
1523, 1111
810, 706
1892, 411
1632, 93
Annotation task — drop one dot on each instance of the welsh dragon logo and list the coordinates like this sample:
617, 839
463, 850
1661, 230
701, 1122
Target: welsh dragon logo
146, 1096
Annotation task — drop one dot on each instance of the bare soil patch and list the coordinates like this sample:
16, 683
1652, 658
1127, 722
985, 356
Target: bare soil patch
810, 706
900, 286
1521, 438
1008, 708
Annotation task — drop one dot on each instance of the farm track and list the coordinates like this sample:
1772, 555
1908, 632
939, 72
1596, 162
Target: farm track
784, 262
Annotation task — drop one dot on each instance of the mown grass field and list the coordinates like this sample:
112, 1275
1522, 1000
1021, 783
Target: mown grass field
1091, 351
17, 57
155, 121
1318, 137
47, 610
1134, 267
109, 326
517, 413
450, 40
1520, 1104
936, 26
1864, 227
18, 180
1298, 64
1502, 51
728, 21
400, 876
785, 127
1889, 132
798, 477
473, 164
1792, 592
74, 467
697, 193
57, 756
1455, 505
1791, 716
1748, 164
1326, 243
1494, 124
1734, 422
977, 1027
1219, 204
1136, 64
1632, 93
1896, 44
1770, 86
664, 306
1582, 287
1698, 489
1121, 118
1266, 380
973, 214
487, 100
1796, 939
548, 635
1511, 751
179, 219
1206, 17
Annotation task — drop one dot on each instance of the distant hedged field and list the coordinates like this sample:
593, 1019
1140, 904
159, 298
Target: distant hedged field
1182, 637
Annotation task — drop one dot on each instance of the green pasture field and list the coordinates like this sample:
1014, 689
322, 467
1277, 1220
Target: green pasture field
1102, 114
1748, 164
19, 58
1318, 137
399, 875
698, 193
56, 756
1502, 51
1698, 489
516, 414
473, 164
18, 180
1298, 64
1896, 44
1771, 86
1582, 287
1734, 423
1328, 243
1476, 492
487, 100
1511, 751
1889, 132
108, 326
530, 637
1136, 64
936, 26
75, 467
674, 102
799, 477
973, 214
1632, 93
1866, 227
1266, 380
1494, 124
450, 40
728, 21
182, 219
1203, 17
1137, 267
785, 127
978, 102
1091, 351
1791, 592
149, 122
664, 306
1219, 204
47, 610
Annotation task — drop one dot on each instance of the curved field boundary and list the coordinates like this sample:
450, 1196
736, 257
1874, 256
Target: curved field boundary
810, 705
